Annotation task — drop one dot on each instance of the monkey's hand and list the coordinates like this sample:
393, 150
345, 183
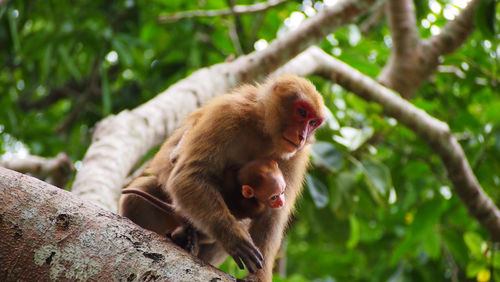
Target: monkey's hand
243, 251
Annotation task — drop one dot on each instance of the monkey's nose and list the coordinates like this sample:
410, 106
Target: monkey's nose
302, 137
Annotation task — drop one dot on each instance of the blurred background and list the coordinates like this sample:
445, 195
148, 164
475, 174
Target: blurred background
378, 205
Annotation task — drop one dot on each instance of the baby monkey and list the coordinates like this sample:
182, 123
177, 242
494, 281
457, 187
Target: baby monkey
262, 185
247, 193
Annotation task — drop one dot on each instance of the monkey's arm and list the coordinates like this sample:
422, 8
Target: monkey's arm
197, 198
267, 233
209, 147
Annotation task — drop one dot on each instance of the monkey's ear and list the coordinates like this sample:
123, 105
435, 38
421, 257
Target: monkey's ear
247, 191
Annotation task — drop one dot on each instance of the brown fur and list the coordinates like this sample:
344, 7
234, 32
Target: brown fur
263, 176
228, 132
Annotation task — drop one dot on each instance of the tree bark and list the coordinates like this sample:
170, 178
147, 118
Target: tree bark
50, 234
55, 171
414, 59
235, 10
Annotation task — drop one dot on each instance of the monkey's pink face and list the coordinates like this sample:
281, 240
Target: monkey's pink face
277, 201
277, 197
303, 122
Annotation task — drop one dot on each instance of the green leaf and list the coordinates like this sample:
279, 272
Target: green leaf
455, 243
68, 62
422, 8
426, 217
341, 193
122, 51
291, 278
354, 232
106, 95
485, 18
331, 121
327, 155
378, 177
46, 61
405, 247
13, 30
3, 9
194, 58
493, 111
432, 244
474, 243
353, 138
318, 191
474, 267
496, 259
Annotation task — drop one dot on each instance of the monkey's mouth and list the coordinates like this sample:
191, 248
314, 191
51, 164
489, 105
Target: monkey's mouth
290, 142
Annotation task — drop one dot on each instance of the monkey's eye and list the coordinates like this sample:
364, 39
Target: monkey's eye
302, 112
274, 197
313, 123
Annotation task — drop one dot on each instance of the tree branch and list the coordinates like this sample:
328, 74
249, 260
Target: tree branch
403, 25
57, 236
414, 60
120, 141
374, 18
236, 10
454, 34
399, 73
237, 29
56, 171
435, 132
235, 38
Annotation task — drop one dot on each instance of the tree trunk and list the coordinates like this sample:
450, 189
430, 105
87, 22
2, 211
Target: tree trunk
51, 234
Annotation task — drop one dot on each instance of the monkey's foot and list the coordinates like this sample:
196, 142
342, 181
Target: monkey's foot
192, 243
186, 237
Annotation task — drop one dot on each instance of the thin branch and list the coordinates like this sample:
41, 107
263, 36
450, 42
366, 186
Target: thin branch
56, 171
71, 88
399, 72
374, 19
452, 69
237, 10
402, 22
239, 31
235, 38
78, 107
435, 132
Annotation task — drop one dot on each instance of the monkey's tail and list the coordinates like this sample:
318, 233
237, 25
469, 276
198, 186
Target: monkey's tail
162, 205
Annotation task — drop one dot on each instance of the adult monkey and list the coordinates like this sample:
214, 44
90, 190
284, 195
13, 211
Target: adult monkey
247, 192
275, 120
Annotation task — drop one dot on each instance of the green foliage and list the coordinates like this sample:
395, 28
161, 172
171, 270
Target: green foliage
378, 205
485, 18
